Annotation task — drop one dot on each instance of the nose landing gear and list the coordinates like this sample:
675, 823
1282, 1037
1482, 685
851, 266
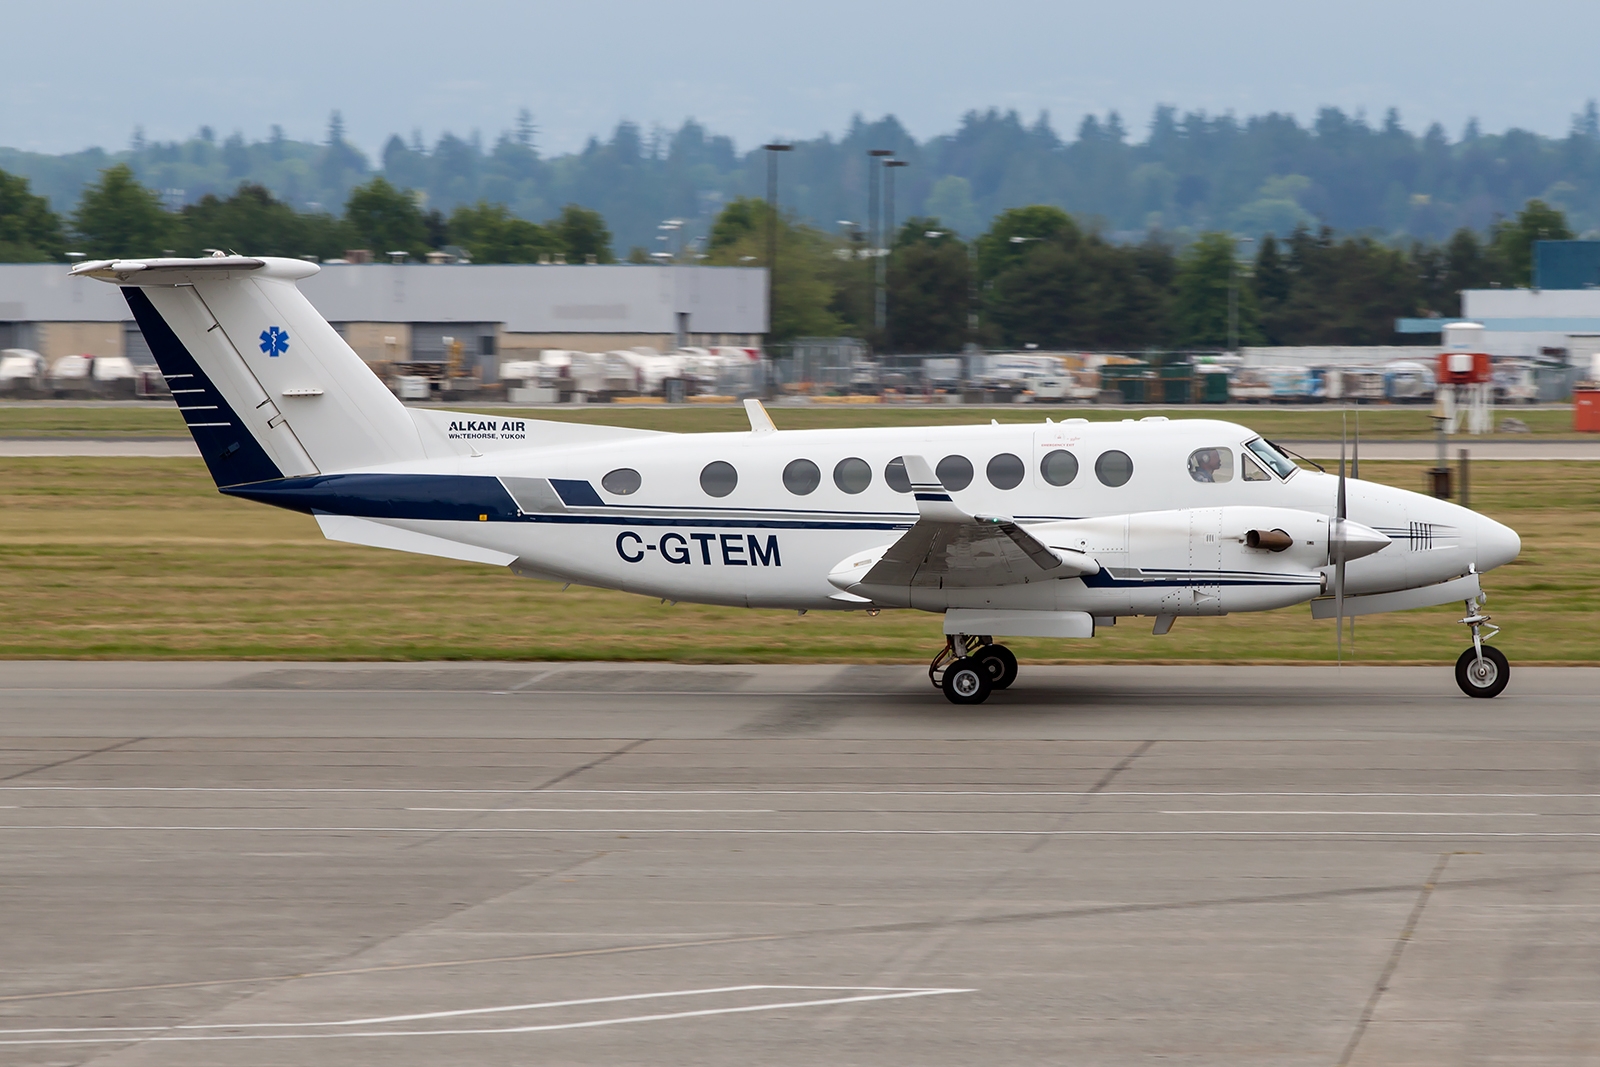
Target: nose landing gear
1482, 670
970, 667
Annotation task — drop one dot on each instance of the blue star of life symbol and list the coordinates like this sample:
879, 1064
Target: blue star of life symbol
274, 342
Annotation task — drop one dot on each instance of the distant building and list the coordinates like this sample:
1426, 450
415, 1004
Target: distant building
1566, 264
1561, 325
403, 313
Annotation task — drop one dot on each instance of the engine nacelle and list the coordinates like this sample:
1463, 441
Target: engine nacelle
1197, 561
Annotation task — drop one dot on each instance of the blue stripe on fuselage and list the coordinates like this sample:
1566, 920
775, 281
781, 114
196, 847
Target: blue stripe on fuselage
459, 497
469, 498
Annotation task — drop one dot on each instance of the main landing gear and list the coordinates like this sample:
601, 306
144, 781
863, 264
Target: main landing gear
1482, 670
970, 667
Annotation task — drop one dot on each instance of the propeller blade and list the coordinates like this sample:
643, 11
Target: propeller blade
1355, 453
1355, 472
1344, 437
1338, 551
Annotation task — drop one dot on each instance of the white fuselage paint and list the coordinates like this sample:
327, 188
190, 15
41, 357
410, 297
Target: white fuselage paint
1168, 544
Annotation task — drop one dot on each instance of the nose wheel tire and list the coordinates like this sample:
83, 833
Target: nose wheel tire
1000, 664
1485, 677
966, 682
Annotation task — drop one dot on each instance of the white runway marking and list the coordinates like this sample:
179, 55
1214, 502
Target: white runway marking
1407, 814
620, 811
645, 831
334, 1028
760, 792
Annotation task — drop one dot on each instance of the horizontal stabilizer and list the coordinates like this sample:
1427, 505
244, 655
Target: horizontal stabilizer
381, 535
187, 271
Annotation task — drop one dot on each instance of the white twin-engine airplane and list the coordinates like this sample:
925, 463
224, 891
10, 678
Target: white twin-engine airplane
1045, 530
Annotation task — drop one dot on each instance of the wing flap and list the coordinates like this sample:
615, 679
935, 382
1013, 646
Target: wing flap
948, 548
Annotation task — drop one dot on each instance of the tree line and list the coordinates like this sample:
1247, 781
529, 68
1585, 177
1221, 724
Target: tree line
119, 217
1037, 276
1190, 173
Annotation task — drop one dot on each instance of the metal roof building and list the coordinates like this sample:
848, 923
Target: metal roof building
404, 312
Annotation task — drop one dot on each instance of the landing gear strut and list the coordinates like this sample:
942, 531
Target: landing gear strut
1482, 670
970, 667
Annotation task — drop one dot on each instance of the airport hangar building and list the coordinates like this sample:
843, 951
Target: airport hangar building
403, 312
1557, 318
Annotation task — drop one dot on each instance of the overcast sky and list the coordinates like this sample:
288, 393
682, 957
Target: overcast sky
86, 72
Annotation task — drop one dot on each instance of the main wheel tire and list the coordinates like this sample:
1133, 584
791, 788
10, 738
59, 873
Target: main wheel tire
1000, 663
1487, 678
966, 681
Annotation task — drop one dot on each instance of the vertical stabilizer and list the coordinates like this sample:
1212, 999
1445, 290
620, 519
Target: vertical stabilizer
262, 364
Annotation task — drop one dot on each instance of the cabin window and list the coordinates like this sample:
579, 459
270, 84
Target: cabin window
1113, 468
718, 478
1253, 471
622, 481
1005, 471
1211, 464
895, 474
955, 472
1059, 467
801, 477
852, 475
1270, 456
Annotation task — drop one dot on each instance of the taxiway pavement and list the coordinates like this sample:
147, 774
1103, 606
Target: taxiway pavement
254, 863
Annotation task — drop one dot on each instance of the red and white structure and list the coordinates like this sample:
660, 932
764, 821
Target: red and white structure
1466, 380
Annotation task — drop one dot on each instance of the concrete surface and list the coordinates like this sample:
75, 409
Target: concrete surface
252, 864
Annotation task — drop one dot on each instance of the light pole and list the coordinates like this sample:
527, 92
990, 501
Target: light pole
874, 236
889, 166
772, 151
1233, 293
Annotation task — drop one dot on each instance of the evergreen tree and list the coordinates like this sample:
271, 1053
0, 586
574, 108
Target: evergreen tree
252, 222
1514, 239
384, 219
491, 234
928, 288
118, 218
582, 233
803, 286
1209, 278
29, 231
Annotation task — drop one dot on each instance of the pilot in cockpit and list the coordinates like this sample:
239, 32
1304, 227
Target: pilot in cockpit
1203, 465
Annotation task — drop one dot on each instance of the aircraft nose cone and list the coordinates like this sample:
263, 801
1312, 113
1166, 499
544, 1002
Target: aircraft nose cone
1497, 544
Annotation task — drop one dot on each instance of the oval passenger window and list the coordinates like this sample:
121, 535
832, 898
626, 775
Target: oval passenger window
622, 481
955, 472
895, 475
1005, 471
1113, 468
801, 477
1059, 467
852, 475
718, 478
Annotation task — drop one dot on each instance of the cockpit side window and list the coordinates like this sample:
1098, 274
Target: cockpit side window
1282, 464
1211, 464
1253, 471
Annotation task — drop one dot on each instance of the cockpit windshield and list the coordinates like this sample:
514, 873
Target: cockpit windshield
1280, 463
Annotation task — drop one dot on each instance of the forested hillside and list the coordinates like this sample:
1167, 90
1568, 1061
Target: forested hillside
1181, 175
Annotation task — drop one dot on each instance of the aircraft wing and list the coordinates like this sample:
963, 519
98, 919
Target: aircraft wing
949, 549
